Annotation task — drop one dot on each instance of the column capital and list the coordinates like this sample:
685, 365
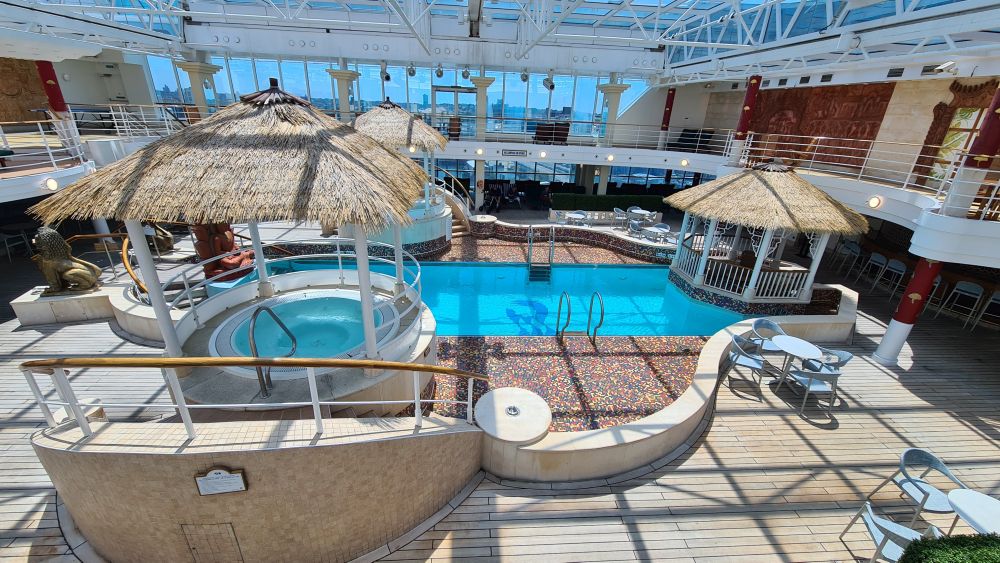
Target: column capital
482, 81
343, 73
613, 88
198, 68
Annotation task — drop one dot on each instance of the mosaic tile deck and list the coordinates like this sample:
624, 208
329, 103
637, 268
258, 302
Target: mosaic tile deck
625, 379
468, 249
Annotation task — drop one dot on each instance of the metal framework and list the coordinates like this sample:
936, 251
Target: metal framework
692, 40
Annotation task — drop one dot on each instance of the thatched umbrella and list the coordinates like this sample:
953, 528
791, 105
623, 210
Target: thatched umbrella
770, 199
769, 196
393, 126
397, 128
272, 156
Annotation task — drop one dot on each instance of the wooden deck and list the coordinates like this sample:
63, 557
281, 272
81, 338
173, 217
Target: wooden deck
762, 483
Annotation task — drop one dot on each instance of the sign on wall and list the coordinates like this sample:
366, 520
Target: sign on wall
220, 480
513, 152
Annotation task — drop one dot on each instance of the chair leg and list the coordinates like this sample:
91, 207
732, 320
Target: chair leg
853, 520
953, 523
884, 483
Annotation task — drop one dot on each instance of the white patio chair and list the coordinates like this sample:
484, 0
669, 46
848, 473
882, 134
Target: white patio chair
763, 331
635, 228
893, 273
984, 312
890, 538
965, 289
873, 265
621, 218
917, 490
744, 353
813, 383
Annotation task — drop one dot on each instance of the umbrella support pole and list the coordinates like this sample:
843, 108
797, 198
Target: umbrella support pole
264, 287
365, 287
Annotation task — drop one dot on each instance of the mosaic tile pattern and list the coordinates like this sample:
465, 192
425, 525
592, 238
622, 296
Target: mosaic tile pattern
762, 309
632, 248
468, 249
625, 379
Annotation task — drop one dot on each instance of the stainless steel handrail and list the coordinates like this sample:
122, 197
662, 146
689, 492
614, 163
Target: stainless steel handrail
569, 313
552, 244
531, 242
590, 315
264, 378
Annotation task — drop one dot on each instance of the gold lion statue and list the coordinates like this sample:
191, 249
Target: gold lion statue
63, 272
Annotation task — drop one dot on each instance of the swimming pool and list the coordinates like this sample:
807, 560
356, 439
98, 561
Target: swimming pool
496, 299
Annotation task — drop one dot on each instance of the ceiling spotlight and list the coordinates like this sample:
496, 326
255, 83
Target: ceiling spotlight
385, 74
542, 154
465, 73
439, 72
611, 157
684, 162
479, 151
524, 76
548, 83
52, 184
413, 148
875, 201
411, 70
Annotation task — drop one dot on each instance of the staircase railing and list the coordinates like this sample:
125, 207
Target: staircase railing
264, 374
65, 396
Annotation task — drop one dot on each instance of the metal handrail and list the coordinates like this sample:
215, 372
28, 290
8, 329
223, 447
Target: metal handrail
569, 313
468, 197
531, 243
552, 245
264, 377
590, 315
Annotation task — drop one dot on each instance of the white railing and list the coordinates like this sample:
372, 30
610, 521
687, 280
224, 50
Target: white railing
129, 121
66, 398
781, 284
728, 277
39, 147
687, 259
195, 284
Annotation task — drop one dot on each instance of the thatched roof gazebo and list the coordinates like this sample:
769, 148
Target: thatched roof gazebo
272, 156
734, 231
393, 126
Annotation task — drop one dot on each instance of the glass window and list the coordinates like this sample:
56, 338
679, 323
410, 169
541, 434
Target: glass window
223, 93
161, 69
561, 104
494, 100
369, 87
395, 89
293, 78
514, 97
584, 100
418, 91
241, 71
320, 86
447, 78
265, 70
185, 86
538, 99
637, 87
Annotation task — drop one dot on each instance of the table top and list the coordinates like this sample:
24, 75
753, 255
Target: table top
513, 415
797, 347
642, 212
656, 229
980, 511
576, 215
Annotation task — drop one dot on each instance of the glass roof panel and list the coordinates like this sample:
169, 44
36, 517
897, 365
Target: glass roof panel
811, 19
872, 12
617, 23
923, 4
579, 21
592, 11
366, 8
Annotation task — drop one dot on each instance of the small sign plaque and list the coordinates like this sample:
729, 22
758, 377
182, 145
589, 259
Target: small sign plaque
513, 152
220, 480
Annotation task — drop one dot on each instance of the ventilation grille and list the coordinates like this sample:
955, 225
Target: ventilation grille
929, 69
765, 84
804, 80
826, 78
894, 72
782, 81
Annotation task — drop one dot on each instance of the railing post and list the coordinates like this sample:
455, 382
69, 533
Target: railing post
170, 376
913, 165
762, 252
39, 398
314, 396
45, 142
468, 401
190, 298
418, 415
864, 163
65, 391
340, 263
706, 250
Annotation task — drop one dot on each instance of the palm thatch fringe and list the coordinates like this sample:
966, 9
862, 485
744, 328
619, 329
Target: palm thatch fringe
769, 196
271, 157
395, 127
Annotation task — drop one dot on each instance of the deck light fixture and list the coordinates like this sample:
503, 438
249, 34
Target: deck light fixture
611, 157
479, 151
52, 184
875, 201
413, 148
542, 154
684, 162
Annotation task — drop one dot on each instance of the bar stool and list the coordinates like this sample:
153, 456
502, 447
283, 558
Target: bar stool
894, 271
963, 289
994, 300
930, 297
875, 264
847, 253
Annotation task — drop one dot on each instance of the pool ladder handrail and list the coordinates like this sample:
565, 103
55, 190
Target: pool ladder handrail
560, 331
590, 316
264, 377
552, 243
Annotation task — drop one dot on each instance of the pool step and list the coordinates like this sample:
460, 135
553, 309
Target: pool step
539, 272
458, 228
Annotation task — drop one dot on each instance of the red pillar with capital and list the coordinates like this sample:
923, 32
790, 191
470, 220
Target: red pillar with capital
915, 297
50, 83
749, 105
668, 108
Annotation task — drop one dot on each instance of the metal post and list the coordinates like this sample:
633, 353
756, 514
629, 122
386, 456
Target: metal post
365, 288
314, 396
66, 392
190, 298
340, 263
765, 245
170, 376
706, 250
39, 398
814, 266
45, 142
152, 281
427, 184
418, 415
264, 287
468, 401
397, 251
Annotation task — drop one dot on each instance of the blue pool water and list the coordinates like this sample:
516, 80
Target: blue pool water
490, 299
323, 327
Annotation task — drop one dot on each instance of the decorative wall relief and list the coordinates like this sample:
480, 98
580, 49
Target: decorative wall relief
20, 91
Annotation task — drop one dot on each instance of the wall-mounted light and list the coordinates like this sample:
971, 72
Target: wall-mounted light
542, 154
465, 73
411, 70
684, 162
479, 151
439, 71
52, 184
611, 157
413, 148
875, 201
524, 76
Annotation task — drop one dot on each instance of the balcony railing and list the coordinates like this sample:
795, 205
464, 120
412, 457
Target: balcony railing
37, 147
130, 121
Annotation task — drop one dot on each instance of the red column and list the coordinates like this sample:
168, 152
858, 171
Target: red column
749, 104
918, 291
51, 85
668, 108
987, 143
